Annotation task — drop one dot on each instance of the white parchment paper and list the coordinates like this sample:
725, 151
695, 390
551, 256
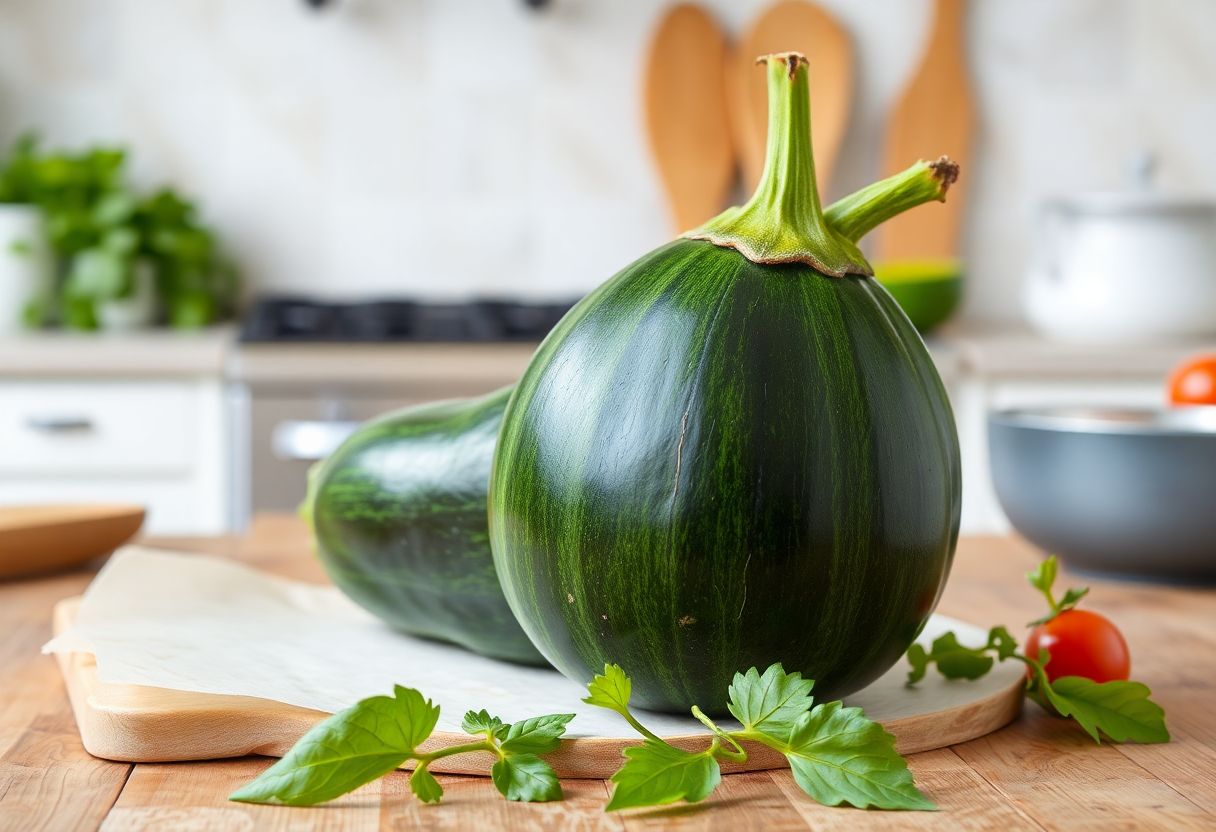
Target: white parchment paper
208, 624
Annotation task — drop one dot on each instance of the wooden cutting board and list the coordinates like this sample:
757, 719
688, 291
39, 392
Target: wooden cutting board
933, 117
44, 538
685, 114
143, 724
792, 26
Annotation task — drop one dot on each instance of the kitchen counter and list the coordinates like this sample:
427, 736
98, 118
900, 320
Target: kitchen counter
966, 348
150, 353
1014, 352
373, 364
1037, 773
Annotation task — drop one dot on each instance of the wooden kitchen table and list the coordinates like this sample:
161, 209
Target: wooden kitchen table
1038, 773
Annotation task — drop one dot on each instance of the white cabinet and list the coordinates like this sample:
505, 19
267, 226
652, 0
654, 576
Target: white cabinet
161, 443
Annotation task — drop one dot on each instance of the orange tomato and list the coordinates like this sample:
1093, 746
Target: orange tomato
1194, 381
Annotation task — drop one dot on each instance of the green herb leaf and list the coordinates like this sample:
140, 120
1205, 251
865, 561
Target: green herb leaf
352, 747
610, 690
424, 785
953, 660
656, 773
480, 722
1044, 575
957, 661
1120, 710
919, 659
840, 756
538, 735
1071, 598
1005, 645
527, 778
771, 702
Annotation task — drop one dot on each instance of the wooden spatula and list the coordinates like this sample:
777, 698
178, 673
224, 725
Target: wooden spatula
792, 26
686, 119
933, 116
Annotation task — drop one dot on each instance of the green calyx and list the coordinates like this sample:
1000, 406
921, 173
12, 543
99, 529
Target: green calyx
783, 222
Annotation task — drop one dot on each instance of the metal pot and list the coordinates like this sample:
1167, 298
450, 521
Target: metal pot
1131, 492
1125, 266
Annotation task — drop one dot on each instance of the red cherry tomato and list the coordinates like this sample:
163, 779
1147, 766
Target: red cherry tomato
1081, 643
1194, 381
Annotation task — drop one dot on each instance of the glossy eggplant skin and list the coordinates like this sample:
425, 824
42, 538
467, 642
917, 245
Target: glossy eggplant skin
399, 520
712, 465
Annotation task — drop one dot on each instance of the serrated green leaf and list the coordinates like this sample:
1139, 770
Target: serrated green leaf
352, 747
1044, 575
1120, 710
538, 735
656, 773
527, 778
771, 702
425, 787
838, 756
610, 689
480, 722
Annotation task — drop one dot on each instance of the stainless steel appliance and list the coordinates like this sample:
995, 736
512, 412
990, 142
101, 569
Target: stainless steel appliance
307, 373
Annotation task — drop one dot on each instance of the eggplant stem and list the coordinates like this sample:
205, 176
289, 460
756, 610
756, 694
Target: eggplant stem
783, 222
859, 213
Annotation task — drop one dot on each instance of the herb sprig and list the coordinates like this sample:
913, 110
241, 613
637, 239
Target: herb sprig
838, 756
1118, 710
378, 734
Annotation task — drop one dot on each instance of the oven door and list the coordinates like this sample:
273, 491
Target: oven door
288, 433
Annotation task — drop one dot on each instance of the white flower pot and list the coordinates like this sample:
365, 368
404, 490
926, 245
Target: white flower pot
136, 311
25, 263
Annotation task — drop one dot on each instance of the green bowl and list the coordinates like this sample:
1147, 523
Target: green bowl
928, 290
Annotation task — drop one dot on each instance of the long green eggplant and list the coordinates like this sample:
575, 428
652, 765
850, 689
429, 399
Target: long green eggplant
399, 519
735, 452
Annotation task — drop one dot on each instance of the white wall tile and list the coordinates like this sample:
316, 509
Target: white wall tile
355, 151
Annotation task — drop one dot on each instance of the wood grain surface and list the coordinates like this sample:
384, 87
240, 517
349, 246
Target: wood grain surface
1038, 773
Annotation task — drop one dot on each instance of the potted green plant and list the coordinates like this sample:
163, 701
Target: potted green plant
122, 259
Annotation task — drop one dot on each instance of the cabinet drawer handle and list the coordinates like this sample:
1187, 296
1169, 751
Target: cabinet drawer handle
60, 424
308, 441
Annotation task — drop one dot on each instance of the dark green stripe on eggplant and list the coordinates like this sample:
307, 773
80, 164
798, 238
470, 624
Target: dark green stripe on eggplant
399, 516
712, 464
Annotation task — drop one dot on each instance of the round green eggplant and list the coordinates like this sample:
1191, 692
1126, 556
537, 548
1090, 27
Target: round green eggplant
399, 520
714, 463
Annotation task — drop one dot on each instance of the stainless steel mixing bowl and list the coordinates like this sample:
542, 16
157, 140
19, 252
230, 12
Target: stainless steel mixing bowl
1128, 492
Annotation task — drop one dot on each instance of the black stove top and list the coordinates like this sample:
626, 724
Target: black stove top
290, 319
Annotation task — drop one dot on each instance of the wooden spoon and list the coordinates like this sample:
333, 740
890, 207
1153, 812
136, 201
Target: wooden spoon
933, 116
792, 26
686, 119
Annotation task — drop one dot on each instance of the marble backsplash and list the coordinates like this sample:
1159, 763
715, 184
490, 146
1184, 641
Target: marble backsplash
451, 147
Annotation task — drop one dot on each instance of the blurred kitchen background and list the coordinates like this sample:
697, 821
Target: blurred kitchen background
454, 173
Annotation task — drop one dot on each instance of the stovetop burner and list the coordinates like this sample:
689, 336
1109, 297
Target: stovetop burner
291, 319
